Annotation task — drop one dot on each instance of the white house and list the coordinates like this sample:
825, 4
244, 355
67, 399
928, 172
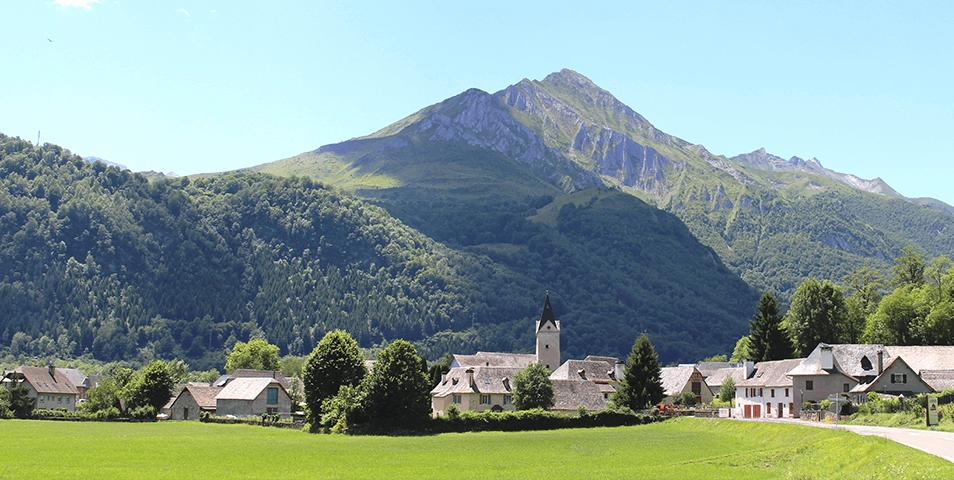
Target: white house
769, 392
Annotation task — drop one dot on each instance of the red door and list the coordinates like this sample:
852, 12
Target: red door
748, 411
757, 411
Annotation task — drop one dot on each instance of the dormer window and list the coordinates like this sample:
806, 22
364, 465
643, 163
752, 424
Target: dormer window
865, 363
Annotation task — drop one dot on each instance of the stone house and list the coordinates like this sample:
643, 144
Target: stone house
682, 379
769, 392
192, 401
253, 396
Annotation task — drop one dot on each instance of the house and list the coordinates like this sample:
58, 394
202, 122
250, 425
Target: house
79, 380
716, 372
253, 396
897, 379
588, 382
477, 389
252, 373
682, 379
193, 400
496, 359
769, 392
48, 386
833, 369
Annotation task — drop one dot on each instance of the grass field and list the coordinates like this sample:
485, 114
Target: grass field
683, 448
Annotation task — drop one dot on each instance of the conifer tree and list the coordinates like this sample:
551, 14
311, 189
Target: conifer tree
642, 384
768, 340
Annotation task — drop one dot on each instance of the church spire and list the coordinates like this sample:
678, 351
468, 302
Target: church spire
547, 315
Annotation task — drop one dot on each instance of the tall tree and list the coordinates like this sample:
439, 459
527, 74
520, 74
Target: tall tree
742, 350
532, 388
257, 354
398, 389
334, 362
150, 389
768, 340
908, 268
936, 274
642, 382
896, 320
862, 294
816, 315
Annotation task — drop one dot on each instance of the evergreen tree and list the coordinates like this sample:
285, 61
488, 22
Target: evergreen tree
642, 384
334, 362
768, 340
532, 388
816, 315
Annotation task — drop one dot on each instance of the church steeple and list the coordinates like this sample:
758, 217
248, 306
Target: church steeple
548, 337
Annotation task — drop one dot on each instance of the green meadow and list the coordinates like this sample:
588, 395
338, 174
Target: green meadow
682, 448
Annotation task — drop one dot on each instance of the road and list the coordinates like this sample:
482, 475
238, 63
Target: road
936, 443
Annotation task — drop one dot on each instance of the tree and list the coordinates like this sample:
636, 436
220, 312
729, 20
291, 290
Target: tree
862, 295
149, 390
894, 321
816, 315
936, 273
908, 268
334, 362
727, 390
641, 385
256, 354
532, 388
398, 389
742, 350
767, 338
19, 401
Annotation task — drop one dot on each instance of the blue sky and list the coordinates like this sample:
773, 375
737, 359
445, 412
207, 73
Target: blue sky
201, 86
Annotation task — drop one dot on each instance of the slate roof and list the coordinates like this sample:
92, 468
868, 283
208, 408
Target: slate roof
251, 373
771, 374
902, 367
486, 380
715, 377
674, 379
847, 359
925, 358
42, 382
570, 394
75, 376
494, 359
593, 371
939, 380
204, 395
246, 388
611, 361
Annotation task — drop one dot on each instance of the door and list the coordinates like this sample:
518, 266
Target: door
779, 412
748, 411
756, 411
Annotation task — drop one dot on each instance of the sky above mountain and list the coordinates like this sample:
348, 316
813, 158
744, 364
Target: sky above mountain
200, 86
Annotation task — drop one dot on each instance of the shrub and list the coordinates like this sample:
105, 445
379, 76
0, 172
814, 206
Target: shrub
452, 412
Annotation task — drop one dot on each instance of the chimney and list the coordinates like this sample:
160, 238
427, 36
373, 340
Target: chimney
470, 377
749, 366
827, 360
443, 377
52, 371
880, 361
620, 368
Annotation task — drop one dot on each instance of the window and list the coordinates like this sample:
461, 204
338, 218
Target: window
456, 398
786, 392
809, 385
507, 400
899, 378
772, 392
484, 399
760, 392
272, 394
271, 410
697, 388
865, 363
845, 387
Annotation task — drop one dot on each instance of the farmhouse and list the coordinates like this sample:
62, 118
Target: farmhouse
682, 379
48, 386
193, 400
253, 396
769, 392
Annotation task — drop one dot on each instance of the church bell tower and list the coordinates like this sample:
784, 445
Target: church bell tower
548, 338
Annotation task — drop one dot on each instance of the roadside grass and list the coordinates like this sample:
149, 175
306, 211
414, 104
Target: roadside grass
680, 448
899, 419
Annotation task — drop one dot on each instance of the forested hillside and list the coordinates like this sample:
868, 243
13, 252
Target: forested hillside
94, 259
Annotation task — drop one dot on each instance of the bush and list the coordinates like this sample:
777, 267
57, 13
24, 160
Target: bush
536, 419
452, 412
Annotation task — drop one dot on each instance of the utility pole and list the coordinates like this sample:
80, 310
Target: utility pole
38, 138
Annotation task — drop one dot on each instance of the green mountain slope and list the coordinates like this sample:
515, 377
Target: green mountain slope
98, 260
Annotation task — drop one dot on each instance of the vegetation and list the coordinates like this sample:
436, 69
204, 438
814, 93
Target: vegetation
768, 339
532, 388
681, 448
335, 362
257, 354
641, 385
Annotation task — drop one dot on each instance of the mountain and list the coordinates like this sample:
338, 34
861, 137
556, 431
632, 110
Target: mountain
103, 261
772, 221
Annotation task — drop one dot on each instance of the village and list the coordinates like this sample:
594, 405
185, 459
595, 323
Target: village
483, 381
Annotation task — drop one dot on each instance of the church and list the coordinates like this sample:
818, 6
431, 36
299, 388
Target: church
484, 381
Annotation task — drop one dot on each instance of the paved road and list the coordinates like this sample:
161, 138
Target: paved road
940, 444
